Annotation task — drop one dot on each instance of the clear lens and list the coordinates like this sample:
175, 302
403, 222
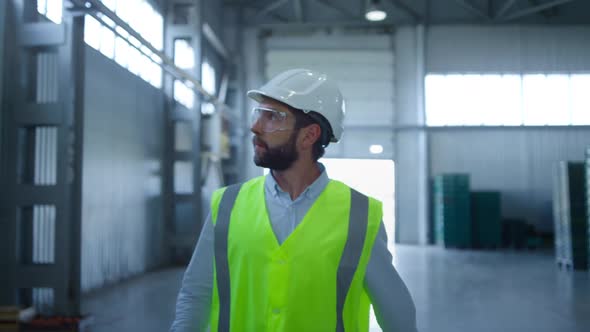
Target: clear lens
270, 120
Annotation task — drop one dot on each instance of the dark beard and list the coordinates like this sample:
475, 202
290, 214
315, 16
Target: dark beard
278, 158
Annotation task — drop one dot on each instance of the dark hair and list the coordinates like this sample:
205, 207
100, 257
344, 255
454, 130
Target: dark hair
303, 120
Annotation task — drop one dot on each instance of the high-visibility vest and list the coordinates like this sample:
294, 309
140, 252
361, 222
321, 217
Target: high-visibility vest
313, 281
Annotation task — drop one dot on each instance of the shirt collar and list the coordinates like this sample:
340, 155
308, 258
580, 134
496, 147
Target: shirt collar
311, 192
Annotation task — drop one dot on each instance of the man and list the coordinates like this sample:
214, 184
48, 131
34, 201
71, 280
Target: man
293, 251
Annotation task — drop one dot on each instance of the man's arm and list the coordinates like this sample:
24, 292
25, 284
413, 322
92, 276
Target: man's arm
392, 302
194, 299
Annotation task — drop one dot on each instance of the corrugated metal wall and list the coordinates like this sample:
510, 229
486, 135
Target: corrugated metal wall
517, 161
514, 158
122, 219
512, 49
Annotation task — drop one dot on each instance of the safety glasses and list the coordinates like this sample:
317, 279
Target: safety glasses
270, 120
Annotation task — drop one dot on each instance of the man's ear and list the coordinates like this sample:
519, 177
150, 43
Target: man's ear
310, 135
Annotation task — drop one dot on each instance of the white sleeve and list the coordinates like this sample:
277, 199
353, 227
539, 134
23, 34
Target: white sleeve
392, 302
193, 304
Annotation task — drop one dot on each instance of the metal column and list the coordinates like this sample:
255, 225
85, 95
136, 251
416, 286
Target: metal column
183, 21
41, 158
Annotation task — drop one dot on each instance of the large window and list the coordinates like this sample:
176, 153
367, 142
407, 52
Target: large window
507, 100
209, 82
52, 9
141, 17
184, 57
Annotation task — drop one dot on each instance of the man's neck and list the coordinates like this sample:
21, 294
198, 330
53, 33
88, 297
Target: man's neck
297, 178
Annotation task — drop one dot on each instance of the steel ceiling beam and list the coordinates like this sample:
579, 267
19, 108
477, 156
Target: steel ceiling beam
406, 8
535, 9
343, 11
270, 7
472, 9
298, 8
507, 5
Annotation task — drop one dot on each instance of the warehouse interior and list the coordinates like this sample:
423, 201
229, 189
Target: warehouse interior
468, 119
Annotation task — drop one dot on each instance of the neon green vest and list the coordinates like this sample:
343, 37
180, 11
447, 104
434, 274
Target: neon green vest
313, 281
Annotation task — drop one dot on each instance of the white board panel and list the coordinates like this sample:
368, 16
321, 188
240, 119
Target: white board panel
327, 42
368, 113
356, 143
354, 57
362, 72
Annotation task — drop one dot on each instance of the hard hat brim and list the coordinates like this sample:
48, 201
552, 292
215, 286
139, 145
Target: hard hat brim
256, 95
259, 96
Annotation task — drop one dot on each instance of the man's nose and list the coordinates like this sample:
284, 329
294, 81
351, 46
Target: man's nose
255, 127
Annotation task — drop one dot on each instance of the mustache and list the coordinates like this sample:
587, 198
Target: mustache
257, 141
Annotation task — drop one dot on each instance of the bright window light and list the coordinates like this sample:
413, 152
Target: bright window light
505, 109
52, 9
143, 18
376, 149
184, 55
42, 7
155, 75
134, 65
184, 94
207, 109
436, 101
107, 42
507, 100
92, 30
122, 52
580, 87
208, 77
545, 99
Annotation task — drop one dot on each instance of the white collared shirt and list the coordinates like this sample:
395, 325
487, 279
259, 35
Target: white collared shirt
389, 295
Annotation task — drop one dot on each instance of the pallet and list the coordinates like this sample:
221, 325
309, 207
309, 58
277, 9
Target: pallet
58, 324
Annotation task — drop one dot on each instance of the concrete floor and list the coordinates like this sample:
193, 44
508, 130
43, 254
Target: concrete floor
453, 291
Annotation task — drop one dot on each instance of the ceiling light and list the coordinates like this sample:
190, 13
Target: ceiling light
374, 12
376, 149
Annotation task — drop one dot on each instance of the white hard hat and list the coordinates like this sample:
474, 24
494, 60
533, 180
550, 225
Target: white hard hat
307, 91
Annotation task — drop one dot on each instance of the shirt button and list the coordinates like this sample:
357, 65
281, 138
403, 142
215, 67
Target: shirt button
276, 311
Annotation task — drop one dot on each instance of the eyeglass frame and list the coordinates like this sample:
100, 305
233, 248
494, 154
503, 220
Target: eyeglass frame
284, 115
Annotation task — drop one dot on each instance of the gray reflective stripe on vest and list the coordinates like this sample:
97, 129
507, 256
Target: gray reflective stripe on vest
221, 261
357, 229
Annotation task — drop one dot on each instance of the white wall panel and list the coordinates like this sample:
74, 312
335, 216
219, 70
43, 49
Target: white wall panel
359, 71
356, 143
369, 113
516, 49
342, 56
122, 218
329, 42
365, 89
